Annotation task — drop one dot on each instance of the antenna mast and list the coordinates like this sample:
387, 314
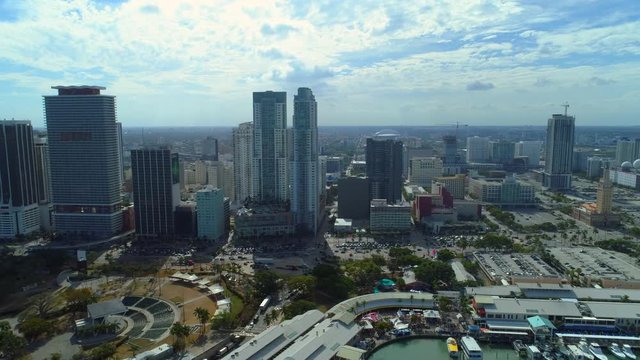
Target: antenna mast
565, 106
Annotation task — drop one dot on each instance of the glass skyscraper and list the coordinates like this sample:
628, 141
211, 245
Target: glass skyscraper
559, 152
19, 214
84, 161
304, 165
270, 162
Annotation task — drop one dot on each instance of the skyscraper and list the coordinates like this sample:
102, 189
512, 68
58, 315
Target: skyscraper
477, 149
19, 214
559, 152
502, 152
211, 218
530, 149
270, 163
84, 164
156, 190
626, 150
242, 161
304, 165
384, 166
120, 151
43, 179
210, 148
450, 150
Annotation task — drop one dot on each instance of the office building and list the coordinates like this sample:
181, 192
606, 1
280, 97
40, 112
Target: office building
531, 150
559, 152
44, 182
502, 152
120, 151
264, 220
19, 213
389, 218
305, 194
353, 198
384, 166
579, 161
423, 170
186, 220
502, 192
84, 163
454, 184
450, 150
210, 148
156, 191
478, 149
242, 156
270, 163
627, 150
211, 217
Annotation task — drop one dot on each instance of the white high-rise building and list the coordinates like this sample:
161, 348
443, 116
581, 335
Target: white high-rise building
423, 170
270, 162
242, 160
559, 152
530, 149
625, 151
478, 149
304, 165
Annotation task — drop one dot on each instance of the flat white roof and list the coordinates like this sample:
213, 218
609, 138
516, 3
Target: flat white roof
322, 342
271, 341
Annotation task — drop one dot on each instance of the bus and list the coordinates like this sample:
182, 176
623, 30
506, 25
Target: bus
264, 304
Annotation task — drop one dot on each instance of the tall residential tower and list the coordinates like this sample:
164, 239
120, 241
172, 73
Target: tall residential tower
156, 190
84, 162
304, 165
270, 163
384, 166
559, 152
19, 214
242, 160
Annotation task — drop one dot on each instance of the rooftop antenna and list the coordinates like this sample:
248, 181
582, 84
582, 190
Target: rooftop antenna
565, 106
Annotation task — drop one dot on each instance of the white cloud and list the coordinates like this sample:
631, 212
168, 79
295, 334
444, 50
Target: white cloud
407, 53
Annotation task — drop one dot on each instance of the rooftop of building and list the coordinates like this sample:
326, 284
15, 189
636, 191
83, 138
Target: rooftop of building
506, 266
532, 307
614, 310
596, 262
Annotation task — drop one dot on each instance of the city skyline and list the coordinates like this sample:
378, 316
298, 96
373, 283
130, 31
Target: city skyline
480, 63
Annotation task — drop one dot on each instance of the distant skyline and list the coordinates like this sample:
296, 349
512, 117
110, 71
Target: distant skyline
196, 63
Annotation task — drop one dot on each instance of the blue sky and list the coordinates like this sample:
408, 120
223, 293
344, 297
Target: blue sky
479, 62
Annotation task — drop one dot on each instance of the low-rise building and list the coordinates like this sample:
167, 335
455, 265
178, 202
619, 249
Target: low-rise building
454, 184
385, 218
502, 192
258, 220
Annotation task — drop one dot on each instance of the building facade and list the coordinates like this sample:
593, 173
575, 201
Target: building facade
502, 152
210, 148
386, 218
19, 198
478, 149
156, 191
211, 213
530, 149
502, 192
454, 184
384, 167
305, 178
559, 152
270, 163
353, 198
84, 162
423, 170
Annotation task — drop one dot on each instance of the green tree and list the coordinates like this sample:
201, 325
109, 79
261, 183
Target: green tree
331, 282
435, 273
180, 332
298, 307
34, 327
78, 299
397, 252
446, 255
103, 352
304, 284
203, 315
223, 321
12, 346
363, 272
267, 283
42, 304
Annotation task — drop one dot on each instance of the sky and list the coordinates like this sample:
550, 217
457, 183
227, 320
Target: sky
196, 63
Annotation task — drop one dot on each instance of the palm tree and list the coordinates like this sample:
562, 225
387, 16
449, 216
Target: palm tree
180, 332
203, 316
